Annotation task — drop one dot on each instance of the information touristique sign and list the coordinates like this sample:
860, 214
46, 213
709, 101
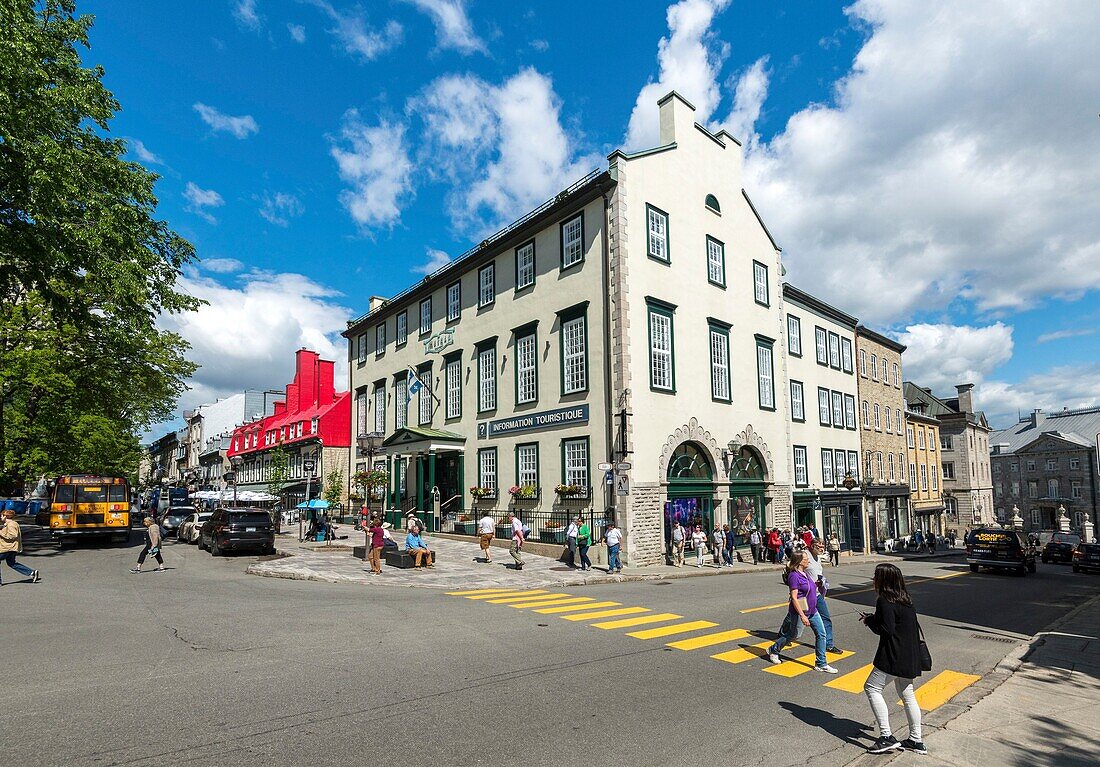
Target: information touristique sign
546, 419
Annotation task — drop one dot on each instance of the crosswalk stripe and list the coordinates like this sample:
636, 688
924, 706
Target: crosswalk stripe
941, 688
766, 607
525, 598
806, 663
574, 608
708, 640
742, 654
477, 591
516, 593
853, 681
606, 613
677, 628
559, 601
627, 622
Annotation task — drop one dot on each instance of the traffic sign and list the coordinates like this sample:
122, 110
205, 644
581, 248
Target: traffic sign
624, 466
308, 466
604, 466
607, 477
622, 485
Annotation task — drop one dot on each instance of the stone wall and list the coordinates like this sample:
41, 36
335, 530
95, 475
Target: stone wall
779, 505
644, 535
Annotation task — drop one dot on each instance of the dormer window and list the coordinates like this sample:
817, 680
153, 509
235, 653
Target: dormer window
712, 204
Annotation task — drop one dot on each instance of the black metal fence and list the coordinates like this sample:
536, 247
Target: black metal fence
547, 526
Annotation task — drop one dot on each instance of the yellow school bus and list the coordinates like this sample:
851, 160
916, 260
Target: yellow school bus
84, 504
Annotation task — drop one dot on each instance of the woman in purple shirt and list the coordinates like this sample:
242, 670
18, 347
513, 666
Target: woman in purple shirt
377, 540
802, 612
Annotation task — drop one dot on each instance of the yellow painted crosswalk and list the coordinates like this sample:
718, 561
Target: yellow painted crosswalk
742, 646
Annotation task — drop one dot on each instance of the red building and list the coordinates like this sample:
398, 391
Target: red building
313, 422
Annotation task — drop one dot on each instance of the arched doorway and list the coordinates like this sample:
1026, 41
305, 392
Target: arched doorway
747, 481
690, 495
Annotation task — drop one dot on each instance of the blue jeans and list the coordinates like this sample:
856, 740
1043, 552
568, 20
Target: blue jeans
585, 561
613, 562
727, 555
9, 557
826, 618
792, 629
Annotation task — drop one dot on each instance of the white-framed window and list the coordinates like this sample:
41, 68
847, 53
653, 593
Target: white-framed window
794, 335
920, 438
834, 351
453, 375
716, 262
948, 470
426, 316
454, 301
760, 283
719, 364
840, 465
838, 409
923, 476
360, 413
361, 348
846, 355
853, 464
935, 477
865, 411
1032, 488
425, 395
909, 437
897, 420
1074, 463
849, 411
527, 465
798, 404
487, 468
863, 362
401, 403
827, 479
765, 375
897, 375
380, 339
824, 416
527, 385
801, 469
885, 371
1052, 488
890, 465
657, 240
572, 241
1074, 489
661, 374
888, 417
822, 344
878, 417
380, 409
1031, 465
913, 476
487, 378
486, 285
574, 350
402, 329
575, 466
1052, 464
1035, 518
874, 367
525, 265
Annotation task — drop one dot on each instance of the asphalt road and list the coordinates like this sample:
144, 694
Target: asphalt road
205, 665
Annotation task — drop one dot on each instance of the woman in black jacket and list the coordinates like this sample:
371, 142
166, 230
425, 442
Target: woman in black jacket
898, 658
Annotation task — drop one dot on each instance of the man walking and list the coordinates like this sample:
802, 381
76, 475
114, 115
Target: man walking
517, 540
11, 543
152, 546
677, 539
486, 528
571, 533
816, 572
754, 545
613, 537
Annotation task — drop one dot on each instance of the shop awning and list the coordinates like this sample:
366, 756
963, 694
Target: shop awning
419, 440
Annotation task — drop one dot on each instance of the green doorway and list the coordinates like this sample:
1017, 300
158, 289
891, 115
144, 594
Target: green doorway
747, 502
690, 491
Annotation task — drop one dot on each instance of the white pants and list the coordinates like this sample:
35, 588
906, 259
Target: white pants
876, 683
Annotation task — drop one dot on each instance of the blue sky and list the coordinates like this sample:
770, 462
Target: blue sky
904, 154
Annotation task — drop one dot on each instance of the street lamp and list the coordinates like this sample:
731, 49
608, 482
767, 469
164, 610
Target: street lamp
370, 444
236, 462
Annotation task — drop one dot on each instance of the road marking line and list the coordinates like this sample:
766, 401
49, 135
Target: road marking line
544, 603
941, 688
709, 639
678, 628
477, 591
627, 622
606, 613
950, 575
806, 663
853, 681
742, 654
526, 598
518, 592
766, 607
573, 608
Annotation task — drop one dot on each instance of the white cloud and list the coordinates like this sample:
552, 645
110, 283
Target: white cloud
144, 154
240, 127
375, 162
1066, 386
297, 32
279, 208
941, 356
689, 60
748, 100
540, 45
244, 11
938, 172
437, 259
1059, 335
452, 25
200, 199
355, 37
221, 265
502, 147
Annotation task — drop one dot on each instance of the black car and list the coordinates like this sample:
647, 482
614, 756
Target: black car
237, 529
1086, 557
1059, 548
173, 517
999, 549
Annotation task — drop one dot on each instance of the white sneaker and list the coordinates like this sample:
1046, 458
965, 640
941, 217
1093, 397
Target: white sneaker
774, 659
827, 669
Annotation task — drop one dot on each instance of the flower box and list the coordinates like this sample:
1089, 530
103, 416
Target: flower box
573, 492
525, 492
552, 535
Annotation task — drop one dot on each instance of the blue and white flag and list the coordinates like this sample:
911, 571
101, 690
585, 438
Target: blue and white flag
413, 384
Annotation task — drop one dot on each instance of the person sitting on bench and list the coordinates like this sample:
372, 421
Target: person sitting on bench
414, 545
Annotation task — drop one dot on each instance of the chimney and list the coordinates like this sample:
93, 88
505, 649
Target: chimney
966, 397
305, 376
326, 382
376, 302
1037, 417
677, 116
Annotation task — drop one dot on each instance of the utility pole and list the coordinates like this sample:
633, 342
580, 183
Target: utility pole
308, 467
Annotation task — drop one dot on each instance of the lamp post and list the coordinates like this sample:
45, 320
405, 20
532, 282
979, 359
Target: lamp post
235, 462
308, 466
369, 444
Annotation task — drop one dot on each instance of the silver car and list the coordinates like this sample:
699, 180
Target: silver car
189, 530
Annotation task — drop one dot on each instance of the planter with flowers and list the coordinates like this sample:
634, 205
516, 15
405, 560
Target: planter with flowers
522, 493
483, 494
465, 525
553, 532
573, 492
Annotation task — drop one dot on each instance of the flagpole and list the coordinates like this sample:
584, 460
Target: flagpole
429, 389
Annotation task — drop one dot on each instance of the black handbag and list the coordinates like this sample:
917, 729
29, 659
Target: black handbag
925, 653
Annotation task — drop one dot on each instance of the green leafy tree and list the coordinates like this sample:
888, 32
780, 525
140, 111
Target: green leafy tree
85, 267
334, 488
278, 471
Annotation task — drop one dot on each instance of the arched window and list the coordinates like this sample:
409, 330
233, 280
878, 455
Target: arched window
712, 203
747, 466
690, 463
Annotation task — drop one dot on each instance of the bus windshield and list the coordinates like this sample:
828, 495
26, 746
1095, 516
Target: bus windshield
91, 494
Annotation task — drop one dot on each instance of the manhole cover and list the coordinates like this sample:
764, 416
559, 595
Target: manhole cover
986, 637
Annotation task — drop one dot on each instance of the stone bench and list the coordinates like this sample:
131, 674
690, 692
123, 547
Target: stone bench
402, 559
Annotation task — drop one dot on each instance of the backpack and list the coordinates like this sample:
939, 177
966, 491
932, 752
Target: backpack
526, 531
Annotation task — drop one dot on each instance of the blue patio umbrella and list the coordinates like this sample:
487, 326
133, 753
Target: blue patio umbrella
313, 503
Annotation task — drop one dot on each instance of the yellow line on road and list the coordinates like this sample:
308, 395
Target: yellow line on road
679, 628
853, 681
767, 607
574, 608
606, 613
708, 640
941, 688
949, 575
477, 591
628, 622
805, 663
525, 598
518, 592
742, 654
559, 601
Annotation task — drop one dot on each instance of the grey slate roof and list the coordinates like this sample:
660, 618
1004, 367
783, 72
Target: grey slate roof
1078, 426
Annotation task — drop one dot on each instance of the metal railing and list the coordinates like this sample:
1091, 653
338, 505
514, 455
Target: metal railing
546, 526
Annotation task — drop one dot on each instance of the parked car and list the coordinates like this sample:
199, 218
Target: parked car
1000, 549
1086, 556
189, 529
172, 518
1059, 548
237, 529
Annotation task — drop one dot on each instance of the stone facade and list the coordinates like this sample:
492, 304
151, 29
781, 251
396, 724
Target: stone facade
922, 434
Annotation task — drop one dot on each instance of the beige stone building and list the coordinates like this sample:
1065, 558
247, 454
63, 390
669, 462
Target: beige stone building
882, 436
922, 435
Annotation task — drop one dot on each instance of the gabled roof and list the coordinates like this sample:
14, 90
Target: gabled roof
1078, 427
933, 405
1073, 439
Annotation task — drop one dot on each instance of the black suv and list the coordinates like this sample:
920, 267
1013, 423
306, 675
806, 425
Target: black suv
1086, 557
236, 529
1059, 548
999, 549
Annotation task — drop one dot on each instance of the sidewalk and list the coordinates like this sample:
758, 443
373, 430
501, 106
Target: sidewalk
1044, 708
